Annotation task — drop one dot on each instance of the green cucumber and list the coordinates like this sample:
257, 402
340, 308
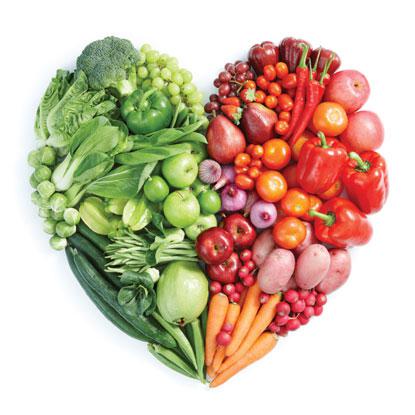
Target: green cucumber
102, 306
109, 294
199, 348
101, 242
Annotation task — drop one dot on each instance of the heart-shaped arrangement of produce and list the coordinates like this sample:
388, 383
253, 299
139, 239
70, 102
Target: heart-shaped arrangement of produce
208, 238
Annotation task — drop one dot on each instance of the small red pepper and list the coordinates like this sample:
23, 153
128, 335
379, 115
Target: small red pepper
320, 56
302, 73
320, 163
233, 112
264, 54
290, 51
340, 223
365, 178
314, 94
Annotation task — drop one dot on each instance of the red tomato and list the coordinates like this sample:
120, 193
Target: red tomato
281, 127
330, 118
290, 174
296, 148
262, 82
256, 151
289, 232
333, 191
286, 102
277, 154
260, 96
244, 182
281, 69
242, 160
284, 116
295, 202
271, 186
271, 101
269, 72
315, 204
274, 88
289, 81
250, 85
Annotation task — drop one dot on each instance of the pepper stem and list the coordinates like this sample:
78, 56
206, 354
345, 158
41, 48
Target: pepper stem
303, 59
145, 96
328, 218
317, 59
362, 165
326, 67
323, 140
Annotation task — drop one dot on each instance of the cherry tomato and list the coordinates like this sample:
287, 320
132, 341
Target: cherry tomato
277, 154
290, 174
271, 101
260, 96
284, 116
289, 232
247, 95
289, 81
274, 88
242, 160
239, 170
256, 163
281, 127
333, 191
271, 186
330, 118
315, 204
286, 102
298, 145
295, 202
281, 69
249, 148
256, 151
262, 82
244, 182
254, 172
269, 72
250, 85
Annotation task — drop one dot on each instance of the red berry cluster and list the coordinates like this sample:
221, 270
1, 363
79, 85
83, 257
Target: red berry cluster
246, 279
296, 309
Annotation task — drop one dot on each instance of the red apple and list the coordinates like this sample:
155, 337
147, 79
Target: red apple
348, 88
258, 123
214, 245
364, 132
227, 271
225, 140
243, 233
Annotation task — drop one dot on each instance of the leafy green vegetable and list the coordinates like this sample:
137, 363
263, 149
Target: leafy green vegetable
124, 182
53, 94
137, 296
110, 63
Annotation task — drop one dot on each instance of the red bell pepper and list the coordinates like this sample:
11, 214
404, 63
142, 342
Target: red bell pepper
365, 178
340, 223
264, 54
290, 51
320, 56
320, 163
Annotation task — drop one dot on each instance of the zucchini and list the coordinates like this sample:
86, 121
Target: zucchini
109, 294
101, 242
102, 306
199, 348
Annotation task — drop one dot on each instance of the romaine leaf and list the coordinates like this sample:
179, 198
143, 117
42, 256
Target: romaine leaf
93, 166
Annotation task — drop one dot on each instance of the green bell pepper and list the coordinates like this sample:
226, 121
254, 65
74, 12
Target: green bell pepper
147, 112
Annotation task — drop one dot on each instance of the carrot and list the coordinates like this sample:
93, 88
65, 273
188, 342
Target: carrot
262, 320
243, 297
218, 307
248, 313
210, 371
264, 344
231, 318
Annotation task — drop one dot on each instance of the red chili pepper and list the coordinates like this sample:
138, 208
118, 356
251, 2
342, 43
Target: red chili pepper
302, 73
340, 223
231, 101
233, 112
320, 163
314, 94
365, 178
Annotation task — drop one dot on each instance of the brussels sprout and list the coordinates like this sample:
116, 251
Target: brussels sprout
44, 212
33, 159
58, 243
47, 156
57, 216
42, 173
46, 189
58, 202
64, 230
49, 226
38, 200
33, 181
71, 216
62, 151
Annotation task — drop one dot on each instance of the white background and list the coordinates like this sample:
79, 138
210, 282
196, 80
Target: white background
58, 355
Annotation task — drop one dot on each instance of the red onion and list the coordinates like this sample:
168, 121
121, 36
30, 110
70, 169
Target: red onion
263, 214
228, 176
252, 198
209, 171
233, 198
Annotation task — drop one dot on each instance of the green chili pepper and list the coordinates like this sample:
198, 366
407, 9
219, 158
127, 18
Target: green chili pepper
147, 112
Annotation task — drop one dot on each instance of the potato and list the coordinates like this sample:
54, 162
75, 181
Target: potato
263, 245
339, 271
312, 266
276, 270
309, 239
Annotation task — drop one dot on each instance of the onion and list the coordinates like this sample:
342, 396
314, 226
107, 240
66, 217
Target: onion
252, 198
263, 214
228, 176
233, 198
209, 171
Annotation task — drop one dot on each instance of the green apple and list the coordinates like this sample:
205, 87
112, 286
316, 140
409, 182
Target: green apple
202, 223
209, 202
180, 171
198, 187
156, 189
181, 208
198, 151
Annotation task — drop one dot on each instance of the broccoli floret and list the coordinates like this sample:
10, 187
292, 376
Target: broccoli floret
110, 63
